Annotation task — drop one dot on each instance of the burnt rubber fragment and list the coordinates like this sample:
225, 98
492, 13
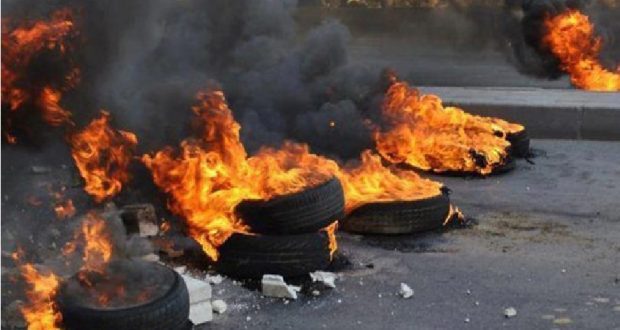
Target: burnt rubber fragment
519, 144
398, 217
169, 311
251, 256
306, 211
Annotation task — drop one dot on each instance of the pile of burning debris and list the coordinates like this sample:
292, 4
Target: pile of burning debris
270, 214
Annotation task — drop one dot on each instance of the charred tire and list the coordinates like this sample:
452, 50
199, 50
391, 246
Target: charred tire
400, 217
170, 311
304, 212
248, 256
519, 143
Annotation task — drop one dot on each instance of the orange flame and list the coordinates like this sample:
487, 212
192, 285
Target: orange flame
40, 312
331, 235
102, 155
370, 181
209, 176
98, 246
23, 44
423, 133
64, 209
571, 38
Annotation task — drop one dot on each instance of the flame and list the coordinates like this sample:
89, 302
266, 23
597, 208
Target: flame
370, 182
421, 132
20, 46
102, 156
331, 235
210, 175
40, 312
571, 38
64, 209
97, 243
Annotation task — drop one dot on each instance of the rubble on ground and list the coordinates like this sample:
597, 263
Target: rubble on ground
510, 312
274, 286
405, 291
219, 306
326, 278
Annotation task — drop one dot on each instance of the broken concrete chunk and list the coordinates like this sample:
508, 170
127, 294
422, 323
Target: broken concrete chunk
274, 286
140, 219
214, 279
405, 291
510, 312
199, 291
326, 278
201, 312
219, 306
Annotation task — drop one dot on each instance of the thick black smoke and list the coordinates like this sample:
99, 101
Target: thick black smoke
526, 31
144, 62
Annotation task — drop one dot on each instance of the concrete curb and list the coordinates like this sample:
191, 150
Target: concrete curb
547, 113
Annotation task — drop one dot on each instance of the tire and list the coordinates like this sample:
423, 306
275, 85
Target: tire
168, 312
304, 212
249, 256
399, 217
519, 144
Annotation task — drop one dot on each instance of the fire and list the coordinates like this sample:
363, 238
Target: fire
421, 132
370, 181
20, 48
331, 235
40, 312
210, 175
102, 156
64, 209
97, 243
571, 38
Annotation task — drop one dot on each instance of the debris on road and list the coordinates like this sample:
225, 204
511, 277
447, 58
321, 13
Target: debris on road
214, 279
274, 286
510, 312
327, 278
199, 291
405, 291
601, 300
562, 321
200, 312
219, 306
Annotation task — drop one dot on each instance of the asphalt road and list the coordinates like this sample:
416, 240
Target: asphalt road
546, 244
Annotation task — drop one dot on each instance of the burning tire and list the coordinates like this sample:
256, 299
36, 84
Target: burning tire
520, 143
399, 217
249, 256
169, 310
304, 212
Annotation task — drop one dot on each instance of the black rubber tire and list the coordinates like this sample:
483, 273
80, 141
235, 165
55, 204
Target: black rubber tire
251, 256
519, 144
169, 312
304, 212
399, 217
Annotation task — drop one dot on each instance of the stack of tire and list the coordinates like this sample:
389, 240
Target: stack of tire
288, 236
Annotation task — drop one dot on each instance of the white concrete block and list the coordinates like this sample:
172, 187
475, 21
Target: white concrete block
274, 286
201, 312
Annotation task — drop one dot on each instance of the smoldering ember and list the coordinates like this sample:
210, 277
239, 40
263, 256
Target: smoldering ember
310, 164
